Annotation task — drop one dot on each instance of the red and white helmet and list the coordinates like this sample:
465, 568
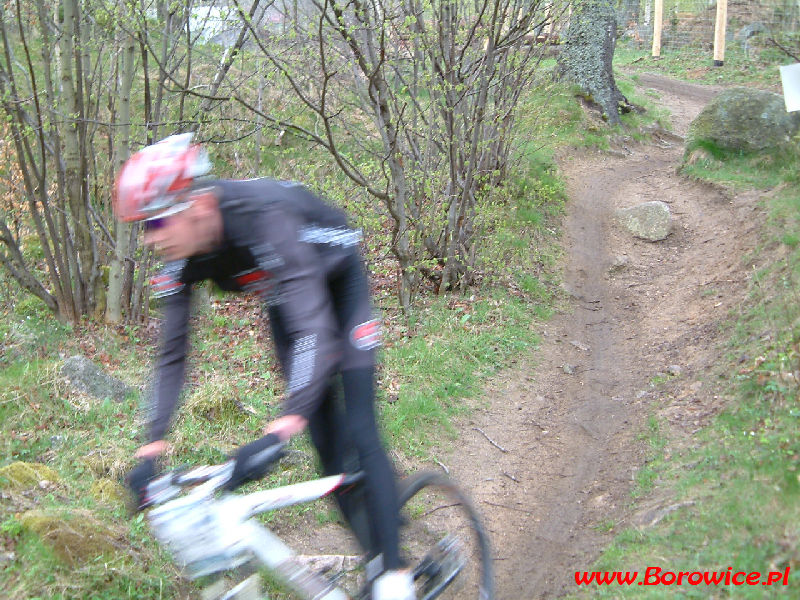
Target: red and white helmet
152, 180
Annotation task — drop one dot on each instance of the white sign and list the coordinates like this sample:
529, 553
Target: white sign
790, 78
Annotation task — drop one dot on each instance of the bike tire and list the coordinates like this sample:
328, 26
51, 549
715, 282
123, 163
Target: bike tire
440, 530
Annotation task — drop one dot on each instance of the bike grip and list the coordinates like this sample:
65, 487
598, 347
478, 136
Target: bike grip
138, 480
252, 461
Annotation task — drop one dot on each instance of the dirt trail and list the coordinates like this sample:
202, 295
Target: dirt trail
569, 419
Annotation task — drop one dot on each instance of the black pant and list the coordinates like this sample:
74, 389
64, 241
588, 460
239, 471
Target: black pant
343, 427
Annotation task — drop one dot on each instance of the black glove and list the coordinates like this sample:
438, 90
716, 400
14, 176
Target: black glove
137, 480
254, 459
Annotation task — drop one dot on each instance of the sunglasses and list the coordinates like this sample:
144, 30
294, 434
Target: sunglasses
156, 223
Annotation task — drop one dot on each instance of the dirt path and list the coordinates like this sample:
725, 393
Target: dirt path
569, 419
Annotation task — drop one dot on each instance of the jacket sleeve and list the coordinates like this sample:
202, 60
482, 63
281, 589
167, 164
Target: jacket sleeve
171, 364
304, 308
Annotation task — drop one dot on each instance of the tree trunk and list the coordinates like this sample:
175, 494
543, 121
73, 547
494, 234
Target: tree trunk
117, 303
587, 55
83, 290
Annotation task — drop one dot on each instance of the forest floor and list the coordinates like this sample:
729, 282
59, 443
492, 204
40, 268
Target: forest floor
566, 429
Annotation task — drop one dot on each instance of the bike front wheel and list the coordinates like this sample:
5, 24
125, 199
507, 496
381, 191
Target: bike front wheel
443, 540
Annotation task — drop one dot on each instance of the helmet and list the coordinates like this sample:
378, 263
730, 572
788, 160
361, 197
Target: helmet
153, 180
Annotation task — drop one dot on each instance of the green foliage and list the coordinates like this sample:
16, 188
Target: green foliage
740, 170
32, 307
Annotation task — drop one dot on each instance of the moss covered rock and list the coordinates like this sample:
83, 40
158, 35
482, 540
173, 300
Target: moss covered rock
108, 491
74, 536
744, 120
24, 475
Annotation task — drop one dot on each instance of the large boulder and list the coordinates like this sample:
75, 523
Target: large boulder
650, 221
88, 378
744, 120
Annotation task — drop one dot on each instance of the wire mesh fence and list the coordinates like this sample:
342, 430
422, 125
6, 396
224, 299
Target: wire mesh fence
751, 25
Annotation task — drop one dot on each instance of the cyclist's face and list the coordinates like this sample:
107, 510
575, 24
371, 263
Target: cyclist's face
190, 232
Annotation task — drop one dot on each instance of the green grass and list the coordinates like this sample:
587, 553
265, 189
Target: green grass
760, 68
455, 348
740, 171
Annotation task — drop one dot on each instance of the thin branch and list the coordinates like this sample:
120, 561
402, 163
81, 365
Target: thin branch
522, 510
491, 441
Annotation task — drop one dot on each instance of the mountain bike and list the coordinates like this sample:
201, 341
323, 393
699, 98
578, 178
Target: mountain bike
216, 538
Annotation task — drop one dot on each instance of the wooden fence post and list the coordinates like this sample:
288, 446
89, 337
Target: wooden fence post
719, 32
658, 19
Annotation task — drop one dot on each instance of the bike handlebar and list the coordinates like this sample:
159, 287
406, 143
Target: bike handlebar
167, 486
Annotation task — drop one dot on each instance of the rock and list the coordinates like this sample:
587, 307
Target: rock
619, 263
23, 476
74, 536
653, 516
324, 563
697, 155
87, 377
650, 221
749, 31
744, 120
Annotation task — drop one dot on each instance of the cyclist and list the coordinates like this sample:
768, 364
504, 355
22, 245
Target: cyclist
277, 239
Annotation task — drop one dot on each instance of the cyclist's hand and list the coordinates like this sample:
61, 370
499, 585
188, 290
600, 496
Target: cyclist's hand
152, 449
286, 426
137, 480
254, 459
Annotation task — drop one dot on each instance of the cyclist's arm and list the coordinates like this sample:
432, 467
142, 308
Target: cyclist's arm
171, 362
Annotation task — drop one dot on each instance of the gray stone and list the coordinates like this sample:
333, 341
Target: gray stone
650, 221
745, 120
749, 31
87, 377
653, 516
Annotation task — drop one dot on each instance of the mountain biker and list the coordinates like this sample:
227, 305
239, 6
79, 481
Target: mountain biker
277, 239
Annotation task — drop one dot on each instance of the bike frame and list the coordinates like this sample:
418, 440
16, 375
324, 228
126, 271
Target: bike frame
209, 533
